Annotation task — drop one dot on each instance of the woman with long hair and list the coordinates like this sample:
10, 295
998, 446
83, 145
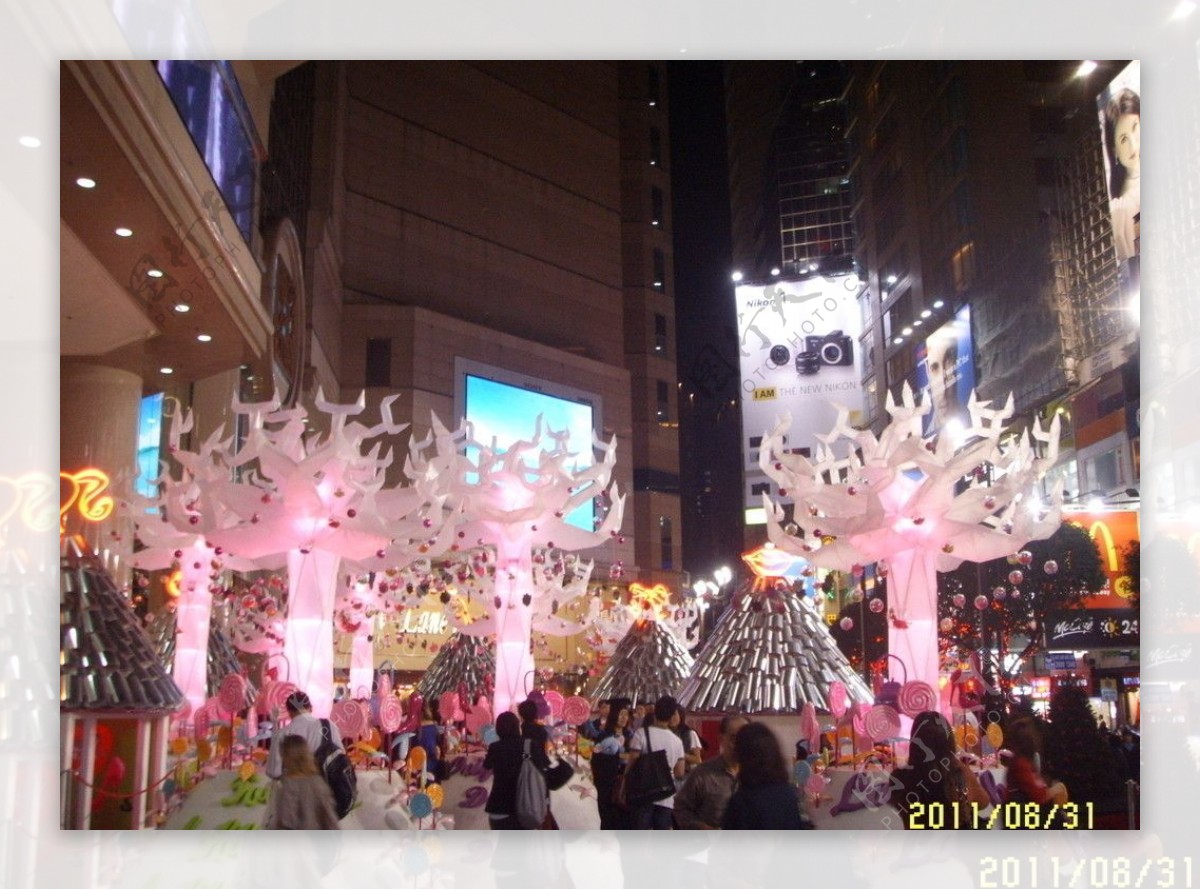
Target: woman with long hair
504, 758
301, 799
693, 752
1123, 143
936, 789
765, 797
608, 762
1025, 782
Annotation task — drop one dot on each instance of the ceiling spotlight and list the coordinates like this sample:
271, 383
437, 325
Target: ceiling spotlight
938, 304
124, 232
204, 338
891, 279
155, 273
917, 323
1085, 68
906, 331
85, 182
30, 141
774, 270
925, 313
182, 307
897, 340
737, 276
166, 370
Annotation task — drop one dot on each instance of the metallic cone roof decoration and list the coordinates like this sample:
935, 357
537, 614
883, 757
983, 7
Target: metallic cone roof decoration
649, 662
771, 652
222, 659
107, 661
463, 661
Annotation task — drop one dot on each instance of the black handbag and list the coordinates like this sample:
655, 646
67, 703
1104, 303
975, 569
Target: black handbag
648, 780
558, 775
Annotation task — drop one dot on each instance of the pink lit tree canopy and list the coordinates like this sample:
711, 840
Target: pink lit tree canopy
515, 501
897, 499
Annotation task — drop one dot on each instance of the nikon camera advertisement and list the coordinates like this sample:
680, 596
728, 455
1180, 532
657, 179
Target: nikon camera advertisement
799, 355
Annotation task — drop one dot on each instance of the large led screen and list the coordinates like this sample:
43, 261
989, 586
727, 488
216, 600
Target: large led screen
148, 437
504, 407
799, 355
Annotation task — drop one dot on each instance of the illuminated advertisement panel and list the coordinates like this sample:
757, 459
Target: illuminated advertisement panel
1120, 111
946, 371
799, 355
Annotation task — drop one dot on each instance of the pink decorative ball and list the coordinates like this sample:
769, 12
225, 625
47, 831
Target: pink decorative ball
959, 600
1016, 576
1051, 567
876, 605
846, 623
981, 602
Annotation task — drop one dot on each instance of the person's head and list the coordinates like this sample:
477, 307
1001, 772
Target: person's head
298, 703
508, 726
932, 741
1123, 139
730, 724
664, 709
296, 757
602, 710
941, 369
1023, 737
801, 751
618, 718
528, 710
759, 757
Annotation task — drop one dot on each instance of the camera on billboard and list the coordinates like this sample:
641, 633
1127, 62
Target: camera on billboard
833, 348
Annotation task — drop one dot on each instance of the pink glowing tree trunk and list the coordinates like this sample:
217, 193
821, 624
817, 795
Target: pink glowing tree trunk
362, 663
912, 585
193, 613
514, 581
308, 639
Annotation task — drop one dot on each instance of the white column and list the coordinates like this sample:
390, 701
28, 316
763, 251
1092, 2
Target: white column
141, 775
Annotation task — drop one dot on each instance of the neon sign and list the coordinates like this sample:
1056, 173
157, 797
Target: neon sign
87, 495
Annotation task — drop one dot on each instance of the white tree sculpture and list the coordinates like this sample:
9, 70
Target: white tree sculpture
893, 498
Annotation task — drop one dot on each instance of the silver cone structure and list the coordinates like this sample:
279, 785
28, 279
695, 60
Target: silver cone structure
770, 653
465, 661
648, 663
222, 658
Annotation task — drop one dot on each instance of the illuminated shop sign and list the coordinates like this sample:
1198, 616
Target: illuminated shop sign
1092, 629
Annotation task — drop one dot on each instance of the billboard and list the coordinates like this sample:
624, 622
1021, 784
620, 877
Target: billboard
1120, 112
946, 372
800, 355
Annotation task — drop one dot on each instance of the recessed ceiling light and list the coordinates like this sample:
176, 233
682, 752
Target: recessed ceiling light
897, 339
182, 307
124, 232
166, 370
155, 273
925, 313
891, 279
775, 270
1085, 68
85, 182
204, 338
917, 323
30, 141
938, 304
906, 331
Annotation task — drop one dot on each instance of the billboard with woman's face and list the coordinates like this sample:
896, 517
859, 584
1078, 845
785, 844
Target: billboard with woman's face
946, 372
1120, 110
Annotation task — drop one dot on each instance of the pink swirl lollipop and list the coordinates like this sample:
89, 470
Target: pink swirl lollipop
882, 722
232, 693
555, 700
917, 696
576, 710
347, 717
837, 699
449, 707
860, 730
276, 694
391, 712
200, 722
479, 716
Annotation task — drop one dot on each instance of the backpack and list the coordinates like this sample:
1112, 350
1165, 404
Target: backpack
531, 792
338, 771
648, 781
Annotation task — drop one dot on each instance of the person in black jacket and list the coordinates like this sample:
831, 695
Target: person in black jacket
765, 798
504, 759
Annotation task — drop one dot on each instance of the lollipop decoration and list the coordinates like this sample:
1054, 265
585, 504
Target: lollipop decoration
917, 696
882, 723
391, 712
576, 710
232, 693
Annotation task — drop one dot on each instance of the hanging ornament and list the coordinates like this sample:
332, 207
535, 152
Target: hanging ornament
981, 602
999, 593
945, 625
1016, 594
846, 623
1051, 567
876, 605
1016, 576
1025, 558
959, 600
526, 599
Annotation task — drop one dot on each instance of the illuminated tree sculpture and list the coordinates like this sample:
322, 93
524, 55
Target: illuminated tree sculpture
316, 500
173, 529
893, 498
516, 501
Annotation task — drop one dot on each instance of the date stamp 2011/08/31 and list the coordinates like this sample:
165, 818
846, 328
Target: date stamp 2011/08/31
1011, 814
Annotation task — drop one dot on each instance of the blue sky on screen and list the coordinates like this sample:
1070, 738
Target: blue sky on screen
149, 435
509, 413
